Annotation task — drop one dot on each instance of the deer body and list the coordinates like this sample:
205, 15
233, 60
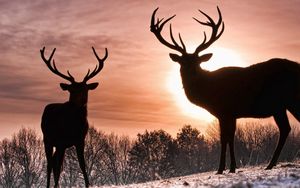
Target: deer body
262, 90
70, 120
65, 124
256, 91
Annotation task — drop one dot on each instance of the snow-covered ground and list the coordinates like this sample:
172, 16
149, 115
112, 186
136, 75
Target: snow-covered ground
283, 175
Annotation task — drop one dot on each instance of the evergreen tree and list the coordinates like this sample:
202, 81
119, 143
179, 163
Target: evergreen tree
152, 156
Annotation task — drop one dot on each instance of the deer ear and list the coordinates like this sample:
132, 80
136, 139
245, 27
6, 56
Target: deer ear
64, 86
205, 57
92, 86
175, 57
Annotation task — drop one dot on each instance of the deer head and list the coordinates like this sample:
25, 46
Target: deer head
188, 59
78, 90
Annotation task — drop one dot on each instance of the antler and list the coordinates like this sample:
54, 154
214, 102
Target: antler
214, 35
97, 68
157, 27
53, 68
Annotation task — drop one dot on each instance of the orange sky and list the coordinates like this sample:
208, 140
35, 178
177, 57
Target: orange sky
133, 94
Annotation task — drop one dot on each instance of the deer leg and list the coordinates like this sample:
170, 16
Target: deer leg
54, 164
80, 156
227, 131
222, 157
282, 122
58, 161
224, 140
49, 153
231, 132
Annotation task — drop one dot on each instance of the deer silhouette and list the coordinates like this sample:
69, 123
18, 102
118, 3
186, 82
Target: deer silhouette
65, 124
261, 90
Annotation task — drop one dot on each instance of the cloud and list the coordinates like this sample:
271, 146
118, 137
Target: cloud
73, 31
132, 90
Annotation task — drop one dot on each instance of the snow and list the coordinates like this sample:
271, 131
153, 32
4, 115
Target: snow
283, 175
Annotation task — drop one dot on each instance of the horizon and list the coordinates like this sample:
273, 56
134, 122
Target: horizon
139, 86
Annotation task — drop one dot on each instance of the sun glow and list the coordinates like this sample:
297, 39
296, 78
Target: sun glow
222, 57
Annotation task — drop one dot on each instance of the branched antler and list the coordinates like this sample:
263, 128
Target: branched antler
214, 35
157, 27
53, 68
98, 68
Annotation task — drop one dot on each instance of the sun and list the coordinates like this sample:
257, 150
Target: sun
222, 57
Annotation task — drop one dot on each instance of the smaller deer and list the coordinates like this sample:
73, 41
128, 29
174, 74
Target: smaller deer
262, 90
65, 124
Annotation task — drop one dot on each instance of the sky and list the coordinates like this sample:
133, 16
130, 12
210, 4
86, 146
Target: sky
139, 86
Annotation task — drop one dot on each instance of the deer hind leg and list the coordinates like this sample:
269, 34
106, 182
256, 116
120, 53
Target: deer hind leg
58, 158
227, 130
282, 122
80, 156
49, 157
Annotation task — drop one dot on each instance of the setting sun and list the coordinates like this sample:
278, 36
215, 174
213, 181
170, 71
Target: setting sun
222, 57
174, 86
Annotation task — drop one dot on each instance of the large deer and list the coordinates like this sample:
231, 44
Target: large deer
262, 90
65, 124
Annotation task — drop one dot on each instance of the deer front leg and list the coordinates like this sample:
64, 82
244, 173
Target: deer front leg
224, 141
58, 161
49, 157
227, 131
80, 156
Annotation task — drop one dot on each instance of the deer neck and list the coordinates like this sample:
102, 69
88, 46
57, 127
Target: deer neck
192, 75
78, 103
195, 83
79, 112
79, 99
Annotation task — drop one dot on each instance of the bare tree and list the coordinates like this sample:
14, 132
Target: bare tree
9, 171
125, 172
106, 161
118, 158
29, 157
113, 159
291, 151
71, 171
96, 157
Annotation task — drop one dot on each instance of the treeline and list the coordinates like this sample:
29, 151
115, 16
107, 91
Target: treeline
112, 159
